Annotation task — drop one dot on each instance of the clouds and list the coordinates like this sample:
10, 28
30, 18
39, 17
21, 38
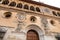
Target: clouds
50, 2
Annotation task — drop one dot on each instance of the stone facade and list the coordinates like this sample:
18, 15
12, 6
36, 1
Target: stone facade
16, 22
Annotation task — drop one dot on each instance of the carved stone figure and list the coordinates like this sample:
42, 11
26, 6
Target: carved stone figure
21, 16
44, 21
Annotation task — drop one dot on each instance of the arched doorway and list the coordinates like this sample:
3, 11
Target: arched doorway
32, 35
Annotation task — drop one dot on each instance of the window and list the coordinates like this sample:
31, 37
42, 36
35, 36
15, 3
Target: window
5, 2
54, 13
33, 19
12, 4
52, 22
7, 14
19, 5
37, 9
58, 13
26, 7
32, 8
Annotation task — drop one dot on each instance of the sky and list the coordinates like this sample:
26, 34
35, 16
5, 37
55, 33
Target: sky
55, 3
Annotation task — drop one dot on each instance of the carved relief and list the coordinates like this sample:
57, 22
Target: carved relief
46, 10
45, 24
3, 28
19, 26
21, 16
2, 32
44, 21
20, 20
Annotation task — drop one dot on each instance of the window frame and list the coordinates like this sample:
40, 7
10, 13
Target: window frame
5, 2
32, 8
19, 5
37, 9
54, 13
26, 6
12, 4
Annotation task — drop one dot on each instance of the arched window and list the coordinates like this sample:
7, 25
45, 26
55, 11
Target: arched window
32, 8
37, 9
32, 19
54, 13
5, 2
19, 5
58, 13
26, 7
52, 22
12, 4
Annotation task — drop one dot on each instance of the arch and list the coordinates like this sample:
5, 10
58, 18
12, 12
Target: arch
5, 2
54, 13
32, 35
26, 6
37, 9
32, 8
33, 19
12, 4
58, 13
37, 29
19, 5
